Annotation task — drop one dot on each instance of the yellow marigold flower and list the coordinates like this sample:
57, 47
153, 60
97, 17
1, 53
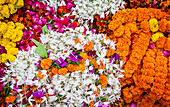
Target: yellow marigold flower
2, 1
3, 58
156, 36
5, 42
11, 24
12, 8
153, 23
8, 33
19, 26
3, 28
12, 51
14, 35
5, 11
11, 58
46, 63
10, 45
19, 36
20, 3
12, 1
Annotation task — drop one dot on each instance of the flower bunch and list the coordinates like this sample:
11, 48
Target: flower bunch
9, 7
11, 33
81, 69
143, 44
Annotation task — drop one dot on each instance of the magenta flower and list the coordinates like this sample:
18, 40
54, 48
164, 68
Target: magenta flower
62, 63
38, 93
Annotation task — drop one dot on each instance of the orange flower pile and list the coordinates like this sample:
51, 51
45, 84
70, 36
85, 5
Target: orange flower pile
147, 72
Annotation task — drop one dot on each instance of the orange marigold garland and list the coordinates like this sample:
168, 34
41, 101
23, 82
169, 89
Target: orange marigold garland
143, 44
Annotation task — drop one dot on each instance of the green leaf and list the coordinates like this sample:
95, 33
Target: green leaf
52, 25
98, 82
103, 99
40, 50
69, 61
49, 19
139, 27
78, 62
91, 64
15, 7
78, 52
91, 26
116, 104
45, 29
96, 71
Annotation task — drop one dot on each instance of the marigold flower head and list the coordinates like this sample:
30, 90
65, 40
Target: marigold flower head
88, 47
10, 99
153, 23
103, 80
46, 63
156, 36
54, 70
62, 71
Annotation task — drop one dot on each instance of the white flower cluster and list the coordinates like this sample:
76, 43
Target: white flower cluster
74, 87
54, 3
86, 9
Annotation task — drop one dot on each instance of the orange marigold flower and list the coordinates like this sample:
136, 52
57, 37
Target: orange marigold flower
10, 99
76, 67
88, 47
120, 31
167, 45
103, 80
40, 76
162, 25
160, 42
62, 71
37, 100
70, 67
46, 63
82, 67
91, 104
54, 70
110, 52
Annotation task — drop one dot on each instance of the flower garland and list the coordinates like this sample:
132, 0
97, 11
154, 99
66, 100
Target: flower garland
75, 72
142, 37
9, 7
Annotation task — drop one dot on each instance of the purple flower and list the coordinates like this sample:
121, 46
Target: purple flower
74, 58
116, 56
62, 63
38, 93
91, 71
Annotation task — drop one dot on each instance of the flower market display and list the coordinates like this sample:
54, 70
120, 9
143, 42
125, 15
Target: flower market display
84, 53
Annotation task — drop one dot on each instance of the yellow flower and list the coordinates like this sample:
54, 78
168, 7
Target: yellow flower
12, 8
12, 51
169, 39
12, 1
2, 1
5, 42
156, 36
10, 45
19, 36
3, 58
5, 11
11, 58
153, 23
19, 26
11, 24
3, 28
20, 3
8, 33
